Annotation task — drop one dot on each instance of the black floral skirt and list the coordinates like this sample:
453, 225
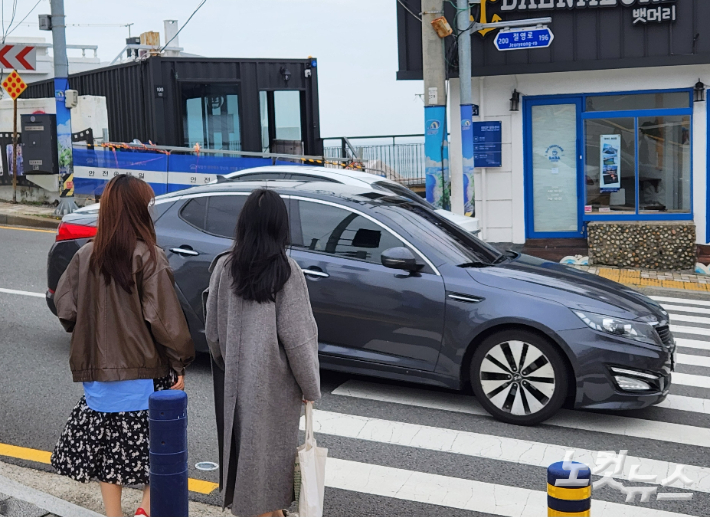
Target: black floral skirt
110, 447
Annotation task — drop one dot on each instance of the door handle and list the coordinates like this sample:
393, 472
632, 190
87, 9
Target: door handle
185, 252
313, 272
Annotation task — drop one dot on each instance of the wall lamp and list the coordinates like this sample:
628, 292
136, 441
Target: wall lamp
699, 92
515, 101
285, 73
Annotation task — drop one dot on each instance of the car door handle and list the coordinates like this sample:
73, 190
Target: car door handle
185, 252
313, 272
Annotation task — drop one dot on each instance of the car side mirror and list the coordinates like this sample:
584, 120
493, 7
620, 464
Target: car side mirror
400, 258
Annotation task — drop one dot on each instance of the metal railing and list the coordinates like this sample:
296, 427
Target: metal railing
384, 155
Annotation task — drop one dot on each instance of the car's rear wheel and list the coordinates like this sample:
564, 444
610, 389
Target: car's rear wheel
519, 377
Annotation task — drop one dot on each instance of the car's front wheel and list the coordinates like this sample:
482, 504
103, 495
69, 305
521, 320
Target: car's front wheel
519, 377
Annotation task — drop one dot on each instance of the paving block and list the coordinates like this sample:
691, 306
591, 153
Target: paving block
12, 507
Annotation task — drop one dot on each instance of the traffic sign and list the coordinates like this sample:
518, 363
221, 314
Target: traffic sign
14, 85
18, 57
523, 39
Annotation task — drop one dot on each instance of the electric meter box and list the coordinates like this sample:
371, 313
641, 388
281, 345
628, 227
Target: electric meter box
39, 135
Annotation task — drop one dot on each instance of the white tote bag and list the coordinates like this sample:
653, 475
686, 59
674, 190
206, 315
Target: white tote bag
311, 463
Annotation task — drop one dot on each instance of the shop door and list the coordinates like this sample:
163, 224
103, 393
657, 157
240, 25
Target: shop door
553, 168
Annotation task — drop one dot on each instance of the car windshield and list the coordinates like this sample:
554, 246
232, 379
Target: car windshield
405, 193
444, 234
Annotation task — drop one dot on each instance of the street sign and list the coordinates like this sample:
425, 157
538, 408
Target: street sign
18, 57
14, 85
523, 39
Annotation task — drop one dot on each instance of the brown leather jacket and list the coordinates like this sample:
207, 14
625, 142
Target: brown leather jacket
119, 336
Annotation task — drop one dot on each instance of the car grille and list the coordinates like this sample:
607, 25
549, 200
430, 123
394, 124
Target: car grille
665, 334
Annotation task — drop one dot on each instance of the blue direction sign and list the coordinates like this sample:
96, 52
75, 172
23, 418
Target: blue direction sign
523, 39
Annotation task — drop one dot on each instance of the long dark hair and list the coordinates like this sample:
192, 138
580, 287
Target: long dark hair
124, 219
258, 260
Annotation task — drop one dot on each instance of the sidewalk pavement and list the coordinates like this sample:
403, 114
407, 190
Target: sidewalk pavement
36, 216
28, 492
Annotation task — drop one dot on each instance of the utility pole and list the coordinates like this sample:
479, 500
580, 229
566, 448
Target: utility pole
438, 187
61, 84
463, 24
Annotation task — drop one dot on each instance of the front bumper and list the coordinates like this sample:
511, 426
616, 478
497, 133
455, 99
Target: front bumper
49, 297
596, 353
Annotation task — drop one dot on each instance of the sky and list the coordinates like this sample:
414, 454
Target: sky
355, 42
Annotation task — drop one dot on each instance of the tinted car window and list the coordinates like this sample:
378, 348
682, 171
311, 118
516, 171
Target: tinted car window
195, 212
222, 214
216, 214
311, 177
332, 230
261, 176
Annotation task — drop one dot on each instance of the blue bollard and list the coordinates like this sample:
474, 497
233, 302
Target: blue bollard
168, 454
569, 490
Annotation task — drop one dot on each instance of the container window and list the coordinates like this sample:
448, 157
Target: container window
211, 116
287, 110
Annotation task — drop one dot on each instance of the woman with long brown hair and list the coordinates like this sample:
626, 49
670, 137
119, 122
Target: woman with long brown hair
129, 338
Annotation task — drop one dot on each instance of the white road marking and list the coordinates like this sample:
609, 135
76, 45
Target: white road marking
696, 381
689, 319
693, 360
464, 494
689, 404
595, 422
677, 329
692, 343
22, 293
486, 446
681, 301
683, 308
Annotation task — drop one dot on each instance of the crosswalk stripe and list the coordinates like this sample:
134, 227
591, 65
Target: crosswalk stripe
463, 494
683, 403
698, 331
689, 319
696, 381
595, 422
681, 301
693, 360
486, 446
684, 308
692, 343
22, 293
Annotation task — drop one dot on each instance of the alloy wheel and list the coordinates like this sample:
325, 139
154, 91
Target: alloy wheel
517, 378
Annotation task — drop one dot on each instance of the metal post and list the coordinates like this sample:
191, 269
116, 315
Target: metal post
14, 150
61, 84
466, 105
168, 454
435, 133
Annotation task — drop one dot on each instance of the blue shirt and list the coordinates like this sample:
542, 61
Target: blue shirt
118, 396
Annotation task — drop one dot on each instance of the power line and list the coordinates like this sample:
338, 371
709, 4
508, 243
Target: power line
408, 10
23, 19
184, 25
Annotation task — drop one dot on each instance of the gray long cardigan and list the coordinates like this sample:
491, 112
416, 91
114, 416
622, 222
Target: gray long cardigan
269, 354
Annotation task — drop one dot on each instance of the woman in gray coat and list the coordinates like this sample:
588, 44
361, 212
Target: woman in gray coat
262, 334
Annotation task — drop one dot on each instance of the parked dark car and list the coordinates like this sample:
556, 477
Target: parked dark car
400, 292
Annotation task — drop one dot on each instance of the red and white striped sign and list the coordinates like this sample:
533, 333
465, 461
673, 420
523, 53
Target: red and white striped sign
18, 57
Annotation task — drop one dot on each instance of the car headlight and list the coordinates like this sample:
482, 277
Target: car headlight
636, 330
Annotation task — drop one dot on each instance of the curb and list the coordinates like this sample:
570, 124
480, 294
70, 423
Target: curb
49, 503
28, 220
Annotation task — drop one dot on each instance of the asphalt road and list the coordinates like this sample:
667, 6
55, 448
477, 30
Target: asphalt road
396, 449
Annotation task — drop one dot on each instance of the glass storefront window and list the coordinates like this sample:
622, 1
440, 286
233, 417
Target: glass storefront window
664, 164
610, 165
639, 101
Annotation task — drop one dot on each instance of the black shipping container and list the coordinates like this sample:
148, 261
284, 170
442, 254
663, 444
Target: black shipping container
231, 104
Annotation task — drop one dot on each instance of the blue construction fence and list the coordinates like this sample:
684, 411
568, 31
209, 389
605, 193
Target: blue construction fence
164, 171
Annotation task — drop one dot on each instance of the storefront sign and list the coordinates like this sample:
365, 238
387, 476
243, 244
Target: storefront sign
524, 39
645, 11
487, 148
610, 163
